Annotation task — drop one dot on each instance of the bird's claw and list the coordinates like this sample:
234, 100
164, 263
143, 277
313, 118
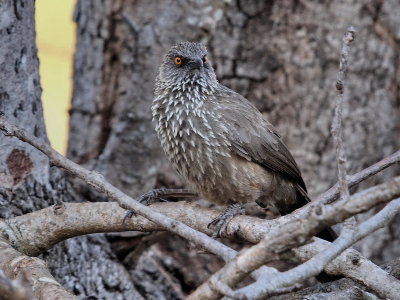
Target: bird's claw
146, 199
221, 222
152, 196
129, 214
156, 195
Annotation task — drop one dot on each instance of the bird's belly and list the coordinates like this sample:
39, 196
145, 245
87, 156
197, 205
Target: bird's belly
205, 160
232, 180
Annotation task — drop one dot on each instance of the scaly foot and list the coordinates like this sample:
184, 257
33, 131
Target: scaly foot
221, 222
159, 195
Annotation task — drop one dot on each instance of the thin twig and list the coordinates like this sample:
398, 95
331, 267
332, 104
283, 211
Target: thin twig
298, 231
355, 179
261, 288
97, 181
337, 120
336, 130
34, 232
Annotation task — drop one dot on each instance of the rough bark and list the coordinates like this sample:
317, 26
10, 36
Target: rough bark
27, 181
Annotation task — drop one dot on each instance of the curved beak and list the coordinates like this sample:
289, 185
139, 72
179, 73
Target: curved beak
196, 63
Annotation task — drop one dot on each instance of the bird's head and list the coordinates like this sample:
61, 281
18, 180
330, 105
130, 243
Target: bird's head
187, 63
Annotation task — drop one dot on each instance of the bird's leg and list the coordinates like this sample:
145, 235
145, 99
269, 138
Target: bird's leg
160, 195
221, 222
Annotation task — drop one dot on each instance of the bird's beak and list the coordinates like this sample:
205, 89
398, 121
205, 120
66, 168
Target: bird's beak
196, 63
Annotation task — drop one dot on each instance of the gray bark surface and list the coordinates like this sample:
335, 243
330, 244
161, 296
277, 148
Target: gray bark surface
84, 265
27, 182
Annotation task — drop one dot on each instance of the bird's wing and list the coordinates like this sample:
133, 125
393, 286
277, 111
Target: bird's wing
254, 138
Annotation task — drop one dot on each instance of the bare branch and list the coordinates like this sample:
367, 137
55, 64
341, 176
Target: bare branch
98, 182
336, 130
297, 232
355, 179
94, 180
34, 270
315, 265
37, 231
337, 120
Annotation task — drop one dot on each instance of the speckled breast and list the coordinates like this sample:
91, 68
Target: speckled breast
185, 129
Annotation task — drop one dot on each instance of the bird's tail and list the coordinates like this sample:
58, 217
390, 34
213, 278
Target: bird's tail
327, 233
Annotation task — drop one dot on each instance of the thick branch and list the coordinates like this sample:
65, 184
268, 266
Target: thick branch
14, 289
19, 266
261, 288
297, 232
98, 182
37, 231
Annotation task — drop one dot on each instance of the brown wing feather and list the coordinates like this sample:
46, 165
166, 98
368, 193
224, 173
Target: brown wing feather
255, 139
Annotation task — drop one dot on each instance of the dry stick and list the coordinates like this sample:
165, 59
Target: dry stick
298, 231
40, 230
355, 179
337, 131
97, 181
260, 289
337, 120
34, 270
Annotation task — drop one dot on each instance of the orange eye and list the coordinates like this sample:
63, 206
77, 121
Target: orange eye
177, 60
205, 59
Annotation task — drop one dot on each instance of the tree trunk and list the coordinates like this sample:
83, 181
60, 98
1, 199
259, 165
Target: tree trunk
27, 182
84, 265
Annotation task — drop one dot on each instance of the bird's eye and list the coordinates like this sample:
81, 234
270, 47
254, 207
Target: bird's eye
205, 59
177, 60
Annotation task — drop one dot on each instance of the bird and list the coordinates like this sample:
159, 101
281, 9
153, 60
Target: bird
219, 142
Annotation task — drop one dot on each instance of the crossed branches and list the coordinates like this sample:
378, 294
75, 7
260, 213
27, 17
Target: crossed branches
24, 237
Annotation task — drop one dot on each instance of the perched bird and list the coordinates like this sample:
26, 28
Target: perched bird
218, 141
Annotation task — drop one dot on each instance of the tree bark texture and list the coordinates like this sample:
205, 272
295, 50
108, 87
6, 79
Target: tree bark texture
27, 181
281, 55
